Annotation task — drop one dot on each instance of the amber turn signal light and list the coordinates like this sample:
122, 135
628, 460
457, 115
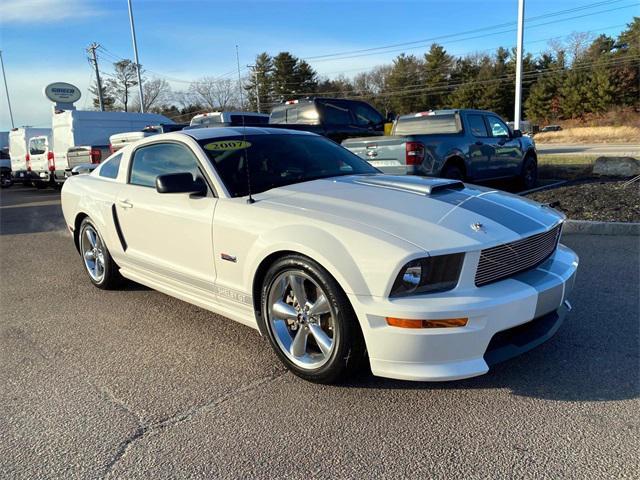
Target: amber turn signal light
445, 323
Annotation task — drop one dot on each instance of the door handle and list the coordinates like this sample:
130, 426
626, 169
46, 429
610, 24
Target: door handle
125, 204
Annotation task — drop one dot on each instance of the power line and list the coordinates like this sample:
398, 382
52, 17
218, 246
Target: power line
477, 30
465, 38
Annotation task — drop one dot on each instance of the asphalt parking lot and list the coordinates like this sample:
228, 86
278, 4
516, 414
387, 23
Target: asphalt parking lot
135, 384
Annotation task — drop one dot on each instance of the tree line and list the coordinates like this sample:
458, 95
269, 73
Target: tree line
581, 75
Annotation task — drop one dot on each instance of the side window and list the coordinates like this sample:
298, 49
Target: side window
498, 127
160, 159
111, 167
477, 126
336, 113
365, 115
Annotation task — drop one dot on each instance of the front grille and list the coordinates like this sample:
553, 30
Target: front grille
505, 260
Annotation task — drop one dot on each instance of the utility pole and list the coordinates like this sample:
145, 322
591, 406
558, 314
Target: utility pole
518, 99
135, 56
92, 49
6, 89
255, 79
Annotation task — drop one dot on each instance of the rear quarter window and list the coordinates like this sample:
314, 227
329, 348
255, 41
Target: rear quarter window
111, 167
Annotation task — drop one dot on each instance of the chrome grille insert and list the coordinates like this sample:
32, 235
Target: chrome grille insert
497, 263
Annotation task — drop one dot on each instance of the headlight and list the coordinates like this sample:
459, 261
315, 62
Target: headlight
428, 275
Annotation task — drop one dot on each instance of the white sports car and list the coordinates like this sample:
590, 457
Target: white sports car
335, 263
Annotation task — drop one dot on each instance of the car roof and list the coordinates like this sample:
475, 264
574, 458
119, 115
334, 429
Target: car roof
220, 132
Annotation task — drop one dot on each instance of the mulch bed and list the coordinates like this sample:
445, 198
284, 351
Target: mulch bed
599, 200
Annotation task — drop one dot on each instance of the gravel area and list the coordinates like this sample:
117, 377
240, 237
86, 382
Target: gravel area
607, 201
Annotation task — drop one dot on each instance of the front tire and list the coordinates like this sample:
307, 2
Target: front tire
528, 179
310, 322
102, 270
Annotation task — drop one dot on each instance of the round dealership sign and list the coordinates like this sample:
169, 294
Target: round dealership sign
61, 92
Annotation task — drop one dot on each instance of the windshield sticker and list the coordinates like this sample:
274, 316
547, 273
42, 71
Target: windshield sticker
225, 145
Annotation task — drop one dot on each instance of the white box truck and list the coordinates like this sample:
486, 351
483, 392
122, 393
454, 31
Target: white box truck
19, 152
81, 137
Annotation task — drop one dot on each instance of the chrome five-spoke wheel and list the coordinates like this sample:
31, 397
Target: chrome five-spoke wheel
301, 319
93, 253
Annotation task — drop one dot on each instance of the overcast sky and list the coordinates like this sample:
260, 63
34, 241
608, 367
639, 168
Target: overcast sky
45, 40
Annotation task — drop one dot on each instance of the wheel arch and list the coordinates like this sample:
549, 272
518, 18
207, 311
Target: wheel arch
76, 228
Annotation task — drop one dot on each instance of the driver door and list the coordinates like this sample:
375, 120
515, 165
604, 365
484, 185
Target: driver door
507, 151
169, 234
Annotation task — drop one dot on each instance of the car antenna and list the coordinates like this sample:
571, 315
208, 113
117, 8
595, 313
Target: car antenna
244, 132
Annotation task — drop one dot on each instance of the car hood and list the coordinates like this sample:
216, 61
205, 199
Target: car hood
433, 214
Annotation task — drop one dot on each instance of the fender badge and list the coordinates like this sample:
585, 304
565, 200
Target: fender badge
477, 227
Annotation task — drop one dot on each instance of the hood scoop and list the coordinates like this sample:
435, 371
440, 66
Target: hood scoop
417, 185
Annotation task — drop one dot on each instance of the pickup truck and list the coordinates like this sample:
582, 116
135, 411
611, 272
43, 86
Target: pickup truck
474, 145
120, 140
336, 118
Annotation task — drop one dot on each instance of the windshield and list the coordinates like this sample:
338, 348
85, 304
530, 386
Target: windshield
427, 124
278, 160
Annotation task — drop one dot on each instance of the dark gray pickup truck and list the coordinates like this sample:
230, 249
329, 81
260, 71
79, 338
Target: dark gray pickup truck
473, 145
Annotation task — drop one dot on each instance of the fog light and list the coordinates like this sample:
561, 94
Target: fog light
444, 323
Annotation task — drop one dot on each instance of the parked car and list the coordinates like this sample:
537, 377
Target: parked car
19, 152
336, 118
41, 160
336, 264
228, 119
473, 145
5, 168
551, 128
81, 137
119, 140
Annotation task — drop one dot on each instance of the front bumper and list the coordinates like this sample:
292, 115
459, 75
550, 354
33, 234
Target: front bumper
535, 298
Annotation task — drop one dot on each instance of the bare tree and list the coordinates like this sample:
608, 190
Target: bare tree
123, 80
215, 93
156, 92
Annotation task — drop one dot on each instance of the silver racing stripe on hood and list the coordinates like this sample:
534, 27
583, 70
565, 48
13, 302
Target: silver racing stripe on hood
502, 214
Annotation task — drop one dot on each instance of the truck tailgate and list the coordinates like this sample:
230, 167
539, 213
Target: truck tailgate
78, 155
383, 151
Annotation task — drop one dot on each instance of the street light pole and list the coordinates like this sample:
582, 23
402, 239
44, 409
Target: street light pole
6, 89
135, 53
518, 99
255, 79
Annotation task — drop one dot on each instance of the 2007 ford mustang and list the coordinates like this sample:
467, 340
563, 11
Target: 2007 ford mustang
335, 263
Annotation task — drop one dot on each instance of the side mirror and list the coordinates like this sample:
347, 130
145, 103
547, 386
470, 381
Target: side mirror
516, 134
180, 183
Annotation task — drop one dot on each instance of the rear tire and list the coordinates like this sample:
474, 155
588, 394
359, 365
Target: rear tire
317, 337
452, 172
103, 272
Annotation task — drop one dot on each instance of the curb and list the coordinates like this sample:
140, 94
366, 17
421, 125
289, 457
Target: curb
589, 227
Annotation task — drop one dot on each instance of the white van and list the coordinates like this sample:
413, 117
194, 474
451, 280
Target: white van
19, 151
81, 137
41, 159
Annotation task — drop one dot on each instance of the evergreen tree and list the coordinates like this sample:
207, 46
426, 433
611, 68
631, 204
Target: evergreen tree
261, 77
437, 71
107, 99
283, 79
404, 84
